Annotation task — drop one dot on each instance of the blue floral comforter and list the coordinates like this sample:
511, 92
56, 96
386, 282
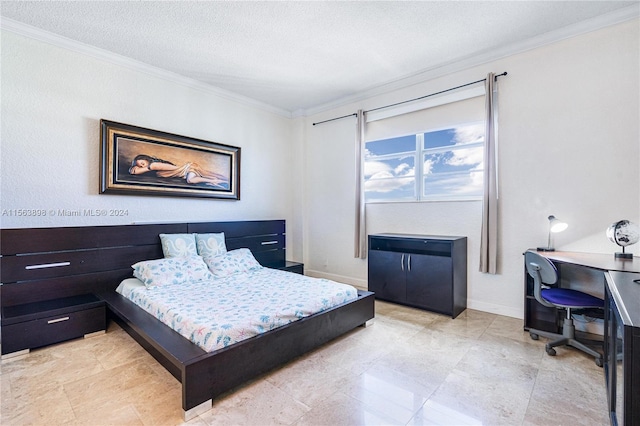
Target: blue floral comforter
218, 313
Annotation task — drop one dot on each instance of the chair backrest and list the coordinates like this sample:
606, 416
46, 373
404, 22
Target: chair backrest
542, 271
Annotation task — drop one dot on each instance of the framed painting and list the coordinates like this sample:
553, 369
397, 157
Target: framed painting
135, 160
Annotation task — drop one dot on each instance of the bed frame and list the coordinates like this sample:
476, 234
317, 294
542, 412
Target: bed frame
94, 260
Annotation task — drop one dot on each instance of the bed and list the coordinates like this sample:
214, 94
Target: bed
98, 259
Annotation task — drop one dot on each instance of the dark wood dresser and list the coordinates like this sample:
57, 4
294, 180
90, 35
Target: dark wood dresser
423, 271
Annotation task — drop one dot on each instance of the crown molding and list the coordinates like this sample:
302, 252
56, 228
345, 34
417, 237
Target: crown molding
116, 59
613, 18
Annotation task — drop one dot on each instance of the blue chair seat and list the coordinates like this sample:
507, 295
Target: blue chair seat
569, 298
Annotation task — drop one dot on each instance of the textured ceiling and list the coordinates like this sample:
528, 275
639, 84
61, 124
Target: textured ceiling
300, 56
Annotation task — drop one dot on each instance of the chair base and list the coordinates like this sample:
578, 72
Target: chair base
565, 339
576, 344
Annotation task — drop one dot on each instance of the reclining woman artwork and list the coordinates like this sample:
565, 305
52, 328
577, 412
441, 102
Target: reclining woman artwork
189, 171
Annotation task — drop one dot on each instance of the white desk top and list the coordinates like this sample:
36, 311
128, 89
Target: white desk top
605, 262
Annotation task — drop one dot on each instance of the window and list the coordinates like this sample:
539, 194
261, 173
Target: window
443, 164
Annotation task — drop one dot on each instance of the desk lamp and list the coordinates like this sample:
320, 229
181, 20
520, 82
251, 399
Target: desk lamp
555, 226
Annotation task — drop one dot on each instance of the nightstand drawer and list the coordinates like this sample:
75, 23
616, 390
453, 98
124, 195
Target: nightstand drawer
54, 329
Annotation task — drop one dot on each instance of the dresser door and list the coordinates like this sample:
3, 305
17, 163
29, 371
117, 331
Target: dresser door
429, 283
387, 275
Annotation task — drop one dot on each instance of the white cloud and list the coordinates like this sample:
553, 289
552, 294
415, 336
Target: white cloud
470, 184
477, 180
384, 182
469, 134
373, 167
404, 170
380, 177
458, 184
466, 156
428, 167
471, 156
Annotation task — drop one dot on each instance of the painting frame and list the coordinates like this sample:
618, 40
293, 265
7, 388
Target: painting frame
139, 161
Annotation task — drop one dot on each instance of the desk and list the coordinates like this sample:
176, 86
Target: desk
603, 262
618, 281
582, 271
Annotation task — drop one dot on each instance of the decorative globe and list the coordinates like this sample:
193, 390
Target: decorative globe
623, 233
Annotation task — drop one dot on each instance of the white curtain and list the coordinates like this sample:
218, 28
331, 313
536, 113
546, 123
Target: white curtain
360, 228
489, 236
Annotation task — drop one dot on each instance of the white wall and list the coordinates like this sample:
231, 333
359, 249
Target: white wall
569, 146
52, 102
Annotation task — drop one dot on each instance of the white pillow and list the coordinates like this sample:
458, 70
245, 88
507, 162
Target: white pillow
127, 285
172, 270
177, 245
232, 262
210, 244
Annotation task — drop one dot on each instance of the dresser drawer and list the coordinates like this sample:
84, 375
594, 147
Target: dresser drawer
424, 246
54, 329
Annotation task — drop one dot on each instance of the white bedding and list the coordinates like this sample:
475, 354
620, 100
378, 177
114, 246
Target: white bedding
215, 314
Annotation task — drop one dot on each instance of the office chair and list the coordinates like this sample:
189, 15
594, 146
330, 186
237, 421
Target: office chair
544, 274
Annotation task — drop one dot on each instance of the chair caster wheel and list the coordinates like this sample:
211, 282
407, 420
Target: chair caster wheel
550, 351
599, 362
534, 336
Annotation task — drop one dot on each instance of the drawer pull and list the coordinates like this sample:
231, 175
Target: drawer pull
47, 265
53, 321
266, 243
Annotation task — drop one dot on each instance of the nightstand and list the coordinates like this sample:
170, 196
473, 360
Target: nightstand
32, 325
295, 267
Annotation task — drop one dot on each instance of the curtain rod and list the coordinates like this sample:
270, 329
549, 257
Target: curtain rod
337, 118
415, 99
436, 93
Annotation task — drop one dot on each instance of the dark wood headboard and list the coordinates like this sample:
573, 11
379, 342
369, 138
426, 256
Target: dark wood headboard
46, 263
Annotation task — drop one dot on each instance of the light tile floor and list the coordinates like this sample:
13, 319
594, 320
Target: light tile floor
409, 368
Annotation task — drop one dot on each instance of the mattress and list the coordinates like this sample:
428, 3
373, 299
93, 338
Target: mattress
217, 313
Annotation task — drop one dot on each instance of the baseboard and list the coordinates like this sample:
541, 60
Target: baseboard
361, 284
491, 308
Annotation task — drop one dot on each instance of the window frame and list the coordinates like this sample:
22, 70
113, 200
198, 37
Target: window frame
419, 158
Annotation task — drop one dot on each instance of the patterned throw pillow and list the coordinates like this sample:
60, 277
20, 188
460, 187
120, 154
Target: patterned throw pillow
172, 270
175, 245
232, 262
210, 244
